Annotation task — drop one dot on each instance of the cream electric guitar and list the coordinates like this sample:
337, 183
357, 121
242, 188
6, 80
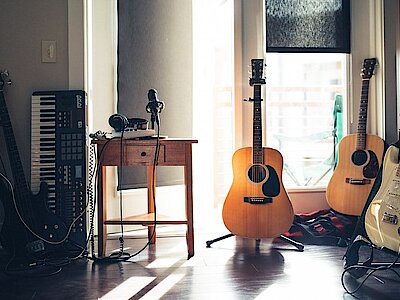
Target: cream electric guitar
360, 156
257, 205
383, 213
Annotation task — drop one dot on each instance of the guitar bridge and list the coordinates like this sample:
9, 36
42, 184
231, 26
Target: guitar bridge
258, 200
358, 181
35, 246
389, 218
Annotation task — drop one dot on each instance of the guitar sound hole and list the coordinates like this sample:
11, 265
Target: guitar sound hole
359, 157
257, 173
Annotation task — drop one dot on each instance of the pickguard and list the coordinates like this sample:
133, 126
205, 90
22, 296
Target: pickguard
271, 188
372, 168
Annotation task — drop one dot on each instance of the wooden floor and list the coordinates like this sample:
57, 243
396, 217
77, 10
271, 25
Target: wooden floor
230, 269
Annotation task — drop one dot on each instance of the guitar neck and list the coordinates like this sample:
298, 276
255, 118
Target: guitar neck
362, 116
20, 184
257, 127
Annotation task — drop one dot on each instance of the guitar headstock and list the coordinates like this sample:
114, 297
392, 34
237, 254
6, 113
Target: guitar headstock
4, 79
368, 68
257, 70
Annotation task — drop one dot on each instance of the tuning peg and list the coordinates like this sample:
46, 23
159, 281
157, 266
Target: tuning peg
4, 75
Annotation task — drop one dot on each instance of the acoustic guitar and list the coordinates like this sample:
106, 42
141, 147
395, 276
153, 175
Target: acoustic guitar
257, 205
383, 213
359, 158
29, 227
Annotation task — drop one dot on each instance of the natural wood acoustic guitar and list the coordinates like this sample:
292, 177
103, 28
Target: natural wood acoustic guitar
383, 213
257, 205
359, 158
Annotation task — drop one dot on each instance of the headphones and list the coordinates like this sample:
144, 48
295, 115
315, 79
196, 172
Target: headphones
121, 123
118, 122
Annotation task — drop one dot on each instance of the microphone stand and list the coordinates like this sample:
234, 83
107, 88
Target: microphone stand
155, 107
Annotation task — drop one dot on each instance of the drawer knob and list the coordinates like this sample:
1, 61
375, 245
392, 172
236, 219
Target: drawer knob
143, 153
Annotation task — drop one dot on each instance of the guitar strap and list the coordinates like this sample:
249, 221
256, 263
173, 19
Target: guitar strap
323, 227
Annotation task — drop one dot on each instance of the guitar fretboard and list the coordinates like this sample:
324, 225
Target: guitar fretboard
362, 116
257, 127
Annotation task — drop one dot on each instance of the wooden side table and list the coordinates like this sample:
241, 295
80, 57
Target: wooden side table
172, 152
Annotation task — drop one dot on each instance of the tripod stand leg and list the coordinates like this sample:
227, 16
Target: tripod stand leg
298, 245
209, 243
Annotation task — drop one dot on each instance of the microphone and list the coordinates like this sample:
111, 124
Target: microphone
152, 95
155, 106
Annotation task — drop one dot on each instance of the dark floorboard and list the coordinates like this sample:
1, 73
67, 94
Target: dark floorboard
230, 269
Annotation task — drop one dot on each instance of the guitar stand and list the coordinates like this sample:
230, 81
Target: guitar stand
352, 259
299, 246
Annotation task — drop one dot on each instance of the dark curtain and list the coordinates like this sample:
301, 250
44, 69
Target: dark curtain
155, 51
308, 26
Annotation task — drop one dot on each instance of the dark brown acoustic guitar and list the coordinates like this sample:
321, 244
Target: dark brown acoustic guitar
359, 158
257, 205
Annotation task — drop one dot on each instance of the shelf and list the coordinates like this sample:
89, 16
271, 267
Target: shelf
145, 220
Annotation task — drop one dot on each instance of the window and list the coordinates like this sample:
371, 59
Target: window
213, 97
306, 91
302, 97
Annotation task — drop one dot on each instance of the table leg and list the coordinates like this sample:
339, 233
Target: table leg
151, 193
189, 200
102, 212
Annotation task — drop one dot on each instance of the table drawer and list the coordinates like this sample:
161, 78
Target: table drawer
143, 155
132, 155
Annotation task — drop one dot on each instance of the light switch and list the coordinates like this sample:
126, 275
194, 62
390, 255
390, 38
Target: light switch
49, 51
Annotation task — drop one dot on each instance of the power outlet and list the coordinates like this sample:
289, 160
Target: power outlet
49, 51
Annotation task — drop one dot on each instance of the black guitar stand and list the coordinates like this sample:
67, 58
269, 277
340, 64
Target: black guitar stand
298, 245
359, 237
357, 268
362, 268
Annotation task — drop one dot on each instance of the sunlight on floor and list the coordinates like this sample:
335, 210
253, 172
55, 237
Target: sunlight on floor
162, 263
164, 286
128, 288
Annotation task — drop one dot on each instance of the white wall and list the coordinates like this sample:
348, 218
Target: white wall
102, 51
23, 25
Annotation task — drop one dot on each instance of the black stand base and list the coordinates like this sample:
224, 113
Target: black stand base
299, 246
352, 259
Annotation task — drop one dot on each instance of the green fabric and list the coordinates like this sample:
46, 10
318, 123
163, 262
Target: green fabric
338, 122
